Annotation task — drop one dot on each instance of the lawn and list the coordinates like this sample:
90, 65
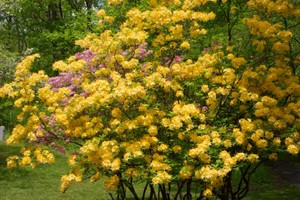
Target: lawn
268, 186
43, 183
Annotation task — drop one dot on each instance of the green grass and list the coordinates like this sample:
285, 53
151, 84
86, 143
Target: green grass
43, 183
266, 185
289, 193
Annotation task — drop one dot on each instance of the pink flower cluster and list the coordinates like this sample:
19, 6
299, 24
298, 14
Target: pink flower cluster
142, 50
64, 79
87, 55
168, 60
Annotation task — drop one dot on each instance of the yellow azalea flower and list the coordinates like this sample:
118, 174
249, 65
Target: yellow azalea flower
152, 3
25, 161
72, 160
177, 149
227, 143
273, 156
11, 162
116, 2
253, 158
60, 65
281, 47
162, 147
131, 172
204, 88
277, 141
207, 193
66, 181
262, 143
260, 45
95, 177
152, 130
246, 125
186, 172
185, 45
101, 13
293, 149
161, 177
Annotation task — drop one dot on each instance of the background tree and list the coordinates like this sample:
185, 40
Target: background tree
47, 27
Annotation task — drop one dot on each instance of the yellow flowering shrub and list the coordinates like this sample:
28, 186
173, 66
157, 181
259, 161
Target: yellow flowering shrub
153, 99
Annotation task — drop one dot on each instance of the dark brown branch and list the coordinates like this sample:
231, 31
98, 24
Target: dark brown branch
123, 190
144, 191
56, 136
111, 196
152, 193
188, 195
131, 188
242, 179
179, 189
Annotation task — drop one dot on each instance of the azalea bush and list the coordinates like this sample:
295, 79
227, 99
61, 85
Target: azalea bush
174, 95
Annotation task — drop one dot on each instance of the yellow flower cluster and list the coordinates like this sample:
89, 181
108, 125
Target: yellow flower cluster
190, 4
111, 183
239, 136
161, 17
96, 176
43, 156
186, 172
74, 66
104, 155
161, 177
30, 157
203, 145
282, 7
236, 61
22, 89
116, 2
183, 114
293, 143
261, 28
131, 172
66, 180
11, 162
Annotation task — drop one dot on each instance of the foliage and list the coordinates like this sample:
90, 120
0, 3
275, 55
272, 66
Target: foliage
8, 60
163, 97
47, 27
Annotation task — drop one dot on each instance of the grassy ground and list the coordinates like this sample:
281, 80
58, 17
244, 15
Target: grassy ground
269, 186
43, 183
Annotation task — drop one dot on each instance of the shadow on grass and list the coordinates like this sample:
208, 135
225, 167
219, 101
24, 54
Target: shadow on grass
267, 185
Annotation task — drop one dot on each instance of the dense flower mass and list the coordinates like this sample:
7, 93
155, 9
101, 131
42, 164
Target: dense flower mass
154, 100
